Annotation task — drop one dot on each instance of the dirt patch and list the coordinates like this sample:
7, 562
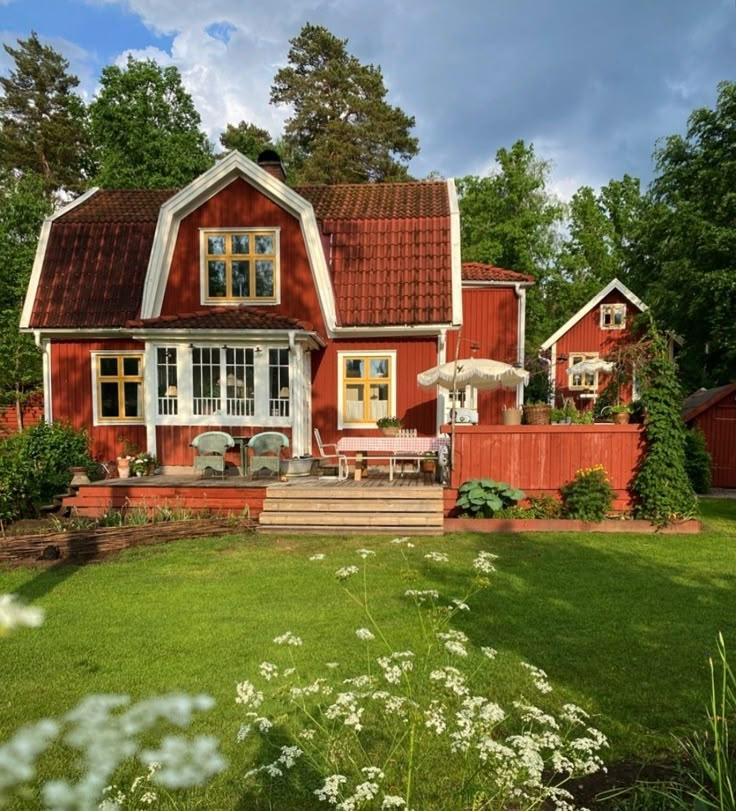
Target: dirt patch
624, 774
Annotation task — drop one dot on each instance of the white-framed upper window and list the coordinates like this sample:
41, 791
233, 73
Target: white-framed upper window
466, 398
613, 316
586, 380
240, 265
117, 387
366, 388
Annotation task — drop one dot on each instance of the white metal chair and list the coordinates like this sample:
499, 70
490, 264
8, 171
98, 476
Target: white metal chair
342, 460
210, 448
403, 457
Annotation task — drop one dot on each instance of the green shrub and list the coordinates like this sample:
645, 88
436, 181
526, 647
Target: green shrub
544, 507
697, 460
34, 466
483, 498
589, 496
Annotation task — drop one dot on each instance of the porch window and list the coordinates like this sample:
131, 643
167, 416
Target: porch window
278, 381
119, 387
584, 381
206, 380
240, 266
240, 382
367, 388
168, 391
613, 316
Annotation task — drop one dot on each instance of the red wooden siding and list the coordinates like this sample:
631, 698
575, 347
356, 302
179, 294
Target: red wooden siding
71, 388
587, 336
540, 458
240, 205
416, 407
490, 323
718, 423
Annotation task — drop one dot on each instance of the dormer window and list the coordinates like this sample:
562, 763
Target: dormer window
240, 266
613, 316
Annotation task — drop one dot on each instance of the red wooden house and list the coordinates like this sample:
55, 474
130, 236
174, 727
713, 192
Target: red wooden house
241, 304
714, 412
596, 331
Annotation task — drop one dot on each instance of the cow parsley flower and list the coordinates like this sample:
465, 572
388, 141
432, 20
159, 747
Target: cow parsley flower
346, 708
420, 595
248, 696
366, 553
392, 801
399, 541
185, 763
288, 639
13, 614
539, 677
318, 556
460, 605
364, 634
484, 563
346, 571
330, 791
454, 642
437, 557
268, 670
491, 653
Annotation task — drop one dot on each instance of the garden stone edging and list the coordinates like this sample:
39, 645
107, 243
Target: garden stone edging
689, 527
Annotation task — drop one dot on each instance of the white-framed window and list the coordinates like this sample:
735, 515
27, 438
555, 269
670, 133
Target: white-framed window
278, 382
117, 386
366, 388
464, 398
240, 265
613, 316
206, 380
587, 380
166, 380
240, 381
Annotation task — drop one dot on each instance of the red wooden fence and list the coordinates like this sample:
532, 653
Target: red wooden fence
539, 458
32, 413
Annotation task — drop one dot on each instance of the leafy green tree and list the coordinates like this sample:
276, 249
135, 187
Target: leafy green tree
146, 129
510, 219
342, 125
602, 245
689, 263
246, 138
43, 122
23, 207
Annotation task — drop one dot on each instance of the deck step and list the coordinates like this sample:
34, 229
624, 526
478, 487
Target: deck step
347, 530
330, 519
348, 505
353, 493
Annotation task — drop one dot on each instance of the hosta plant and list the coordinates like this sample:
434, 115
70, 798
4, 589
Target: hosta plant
482, 498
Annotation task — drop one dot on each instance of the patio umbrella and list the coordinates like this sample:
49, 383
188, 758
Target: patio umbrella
481, 373
590, 367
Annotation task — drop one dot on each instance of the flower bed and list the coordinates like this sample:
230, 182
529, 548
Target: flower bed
689, 527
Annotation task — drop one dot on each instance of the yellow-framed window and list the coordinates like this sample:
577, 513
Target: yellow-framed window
586, 380
120, 387
240, 266
367, 393
613, 316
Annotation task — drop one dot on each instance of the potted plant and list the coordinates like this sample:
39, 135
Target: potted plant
429, 462
125, 460
557, 416
621, 414
389, 425
511, 415
144, 464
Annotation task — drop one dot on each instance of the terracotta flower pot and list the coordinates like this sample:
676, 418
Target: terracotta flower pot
391, 430
123, 467
621, 418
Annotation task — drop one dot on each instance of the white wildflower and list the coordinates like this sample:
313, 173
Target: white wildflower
318, 556
573, 714
484, 563
491, 653
434, 717
460, 605
373, 772
437, 557
290, 755
539, 677
420, 595
366, 553
346, 709
263, 724
307, 734
243, 732
454, 642
185, 763
452, 678
395, 665
532, 714
346, 571
268, 670
288, 639
248, 695
402, 540
148, 797
330, 790
13, 614
364, 634
290, 671
273, 770
361, 682
392, 801
332, 665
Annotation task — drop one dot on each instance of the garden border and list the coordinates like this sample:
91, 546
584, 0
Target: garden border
690, 527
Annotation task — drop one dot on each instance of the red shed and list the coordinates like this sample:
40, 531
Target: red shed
714, 412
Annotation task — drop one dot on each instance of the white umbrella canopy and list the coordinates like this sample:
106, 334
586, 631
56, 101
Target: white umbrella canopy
481, 373
590, 367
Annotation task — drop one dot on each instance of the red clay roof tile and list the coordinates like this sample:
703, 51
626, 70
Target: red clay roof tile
388, 247
478, 272
238, 317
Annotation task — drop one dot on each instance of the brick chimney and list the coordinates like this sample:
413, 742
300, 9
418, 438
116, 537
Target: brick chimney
271, 162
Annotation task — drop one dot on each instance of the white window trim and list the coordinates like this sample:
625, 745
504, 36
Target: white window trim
470, 401
585, 356
357, 353
613, 306
97, 420
261, 417
205, 232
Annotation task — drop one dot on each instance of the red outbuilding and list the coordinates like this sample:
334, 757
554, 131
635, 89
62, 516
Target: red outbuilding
714, 412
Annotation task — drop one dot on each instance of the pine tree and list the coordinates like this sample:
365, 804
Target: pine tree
248, 139
43, 123
342, 125
146, 129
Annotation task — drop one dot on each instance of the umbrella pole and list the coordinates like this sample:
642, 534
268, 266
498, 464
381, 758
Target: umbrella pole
454, 404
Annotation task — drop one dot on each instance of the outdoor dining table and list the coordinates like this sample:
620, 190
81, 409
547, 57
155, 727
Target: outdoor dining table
393, 448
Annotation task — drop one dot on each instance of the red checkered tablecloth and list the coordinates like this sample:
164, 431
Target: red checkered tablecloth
392, 444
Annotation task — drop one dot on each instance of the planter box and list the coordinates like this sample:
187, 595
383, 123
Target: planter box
563, 525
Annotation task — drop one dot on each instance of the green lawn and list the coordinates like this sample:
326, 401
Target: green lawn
623, 624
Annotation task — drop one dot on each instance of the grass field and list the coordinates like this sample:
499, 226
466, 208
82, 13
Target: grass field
623, 624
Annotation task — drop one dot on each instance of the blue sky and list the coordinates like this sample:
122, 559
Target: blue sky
592, 83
